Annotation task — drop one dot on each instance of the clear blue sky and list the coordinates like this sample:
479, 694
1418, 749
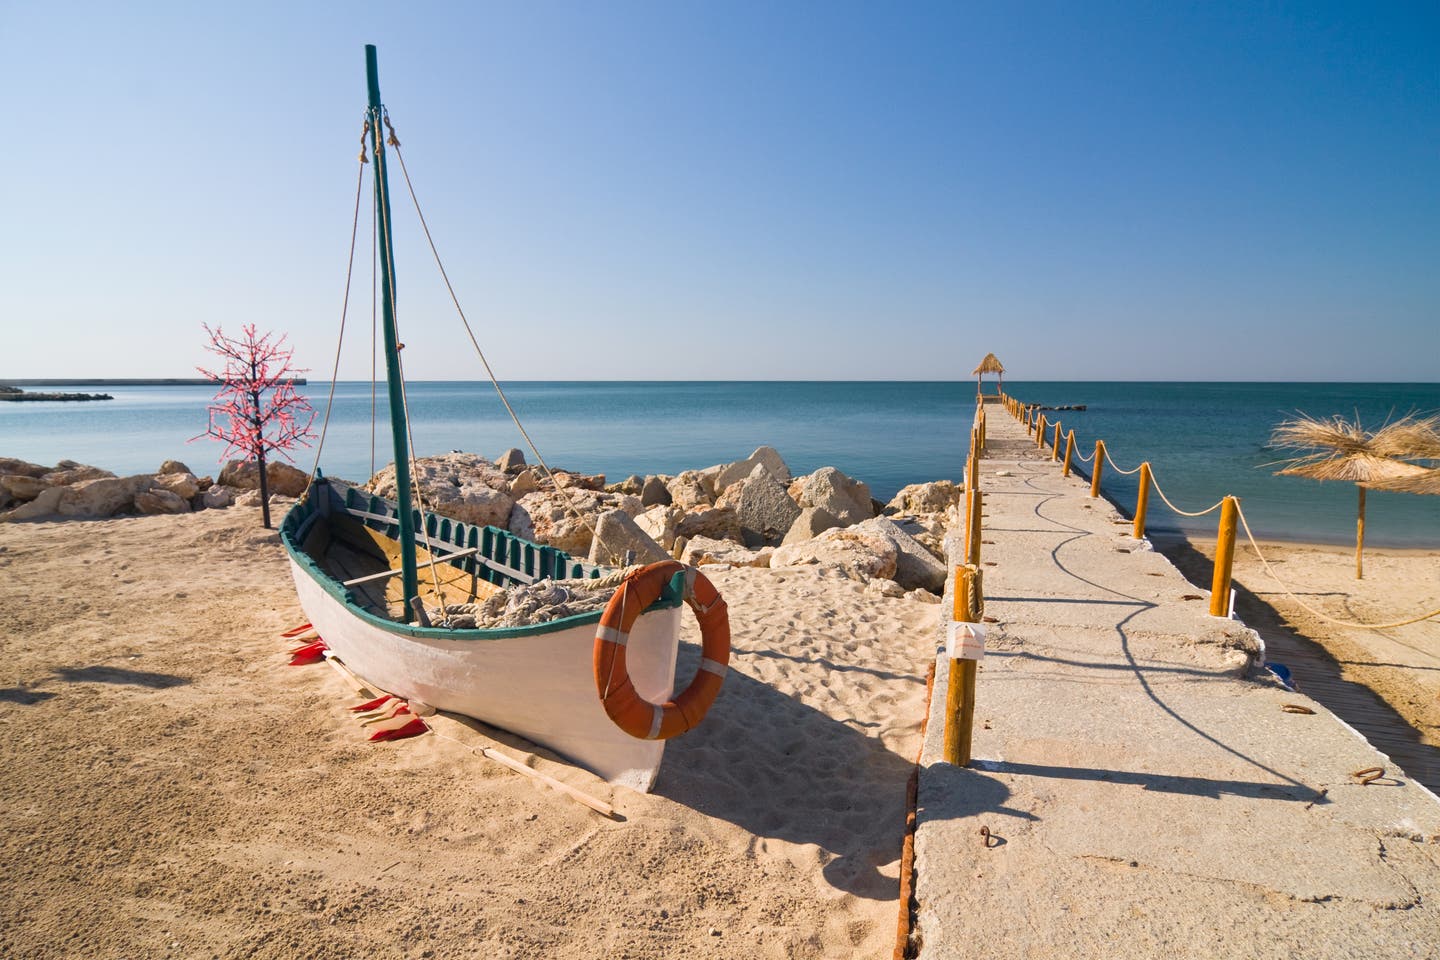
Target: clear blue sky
736, 190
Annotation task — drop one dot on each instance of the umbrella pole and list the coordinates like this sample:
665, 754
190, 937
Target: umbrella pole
1360, 535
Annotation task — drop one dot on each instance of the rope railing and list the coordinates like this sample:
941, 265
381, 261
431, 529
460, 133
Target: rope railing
1117, 468
1225, 541
1355, 624
1184, 513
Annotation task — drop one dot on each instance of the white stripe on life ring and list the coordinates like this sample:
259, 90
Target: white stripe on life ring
655, 723
714, 666
610, 635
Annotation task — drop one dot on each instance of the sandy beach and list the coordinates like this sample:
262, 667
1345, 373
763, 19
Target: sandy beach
175, 789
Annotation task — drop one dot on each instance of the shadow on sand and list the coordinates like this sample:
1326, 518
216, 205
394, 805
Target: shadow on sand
782, 770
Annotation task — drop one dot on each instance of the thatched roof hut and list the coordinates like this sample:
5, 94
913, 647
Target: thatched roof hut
991, 364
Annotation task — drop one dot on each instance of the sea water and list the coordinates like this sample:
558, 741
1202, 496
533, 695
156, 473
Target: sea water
1203, 440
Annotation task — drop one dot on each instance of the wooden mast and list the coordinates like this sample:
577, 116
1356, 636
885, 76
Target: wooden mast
393, 382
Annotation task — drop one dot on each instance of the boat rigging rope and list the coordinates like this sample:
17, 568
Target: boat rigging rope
400, 365
375, 334
494, 381
1305, 606
344, 312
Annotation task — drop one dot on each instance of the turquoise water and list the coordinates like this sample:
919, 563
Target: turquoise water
1203, 439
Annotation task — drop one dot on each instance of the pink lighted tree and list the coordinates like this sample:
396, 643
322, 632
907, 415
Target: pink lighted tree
257, 411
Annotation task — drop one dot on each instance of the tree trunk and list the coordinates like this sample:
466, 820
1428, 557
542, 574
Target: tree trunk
260, 459
264, 490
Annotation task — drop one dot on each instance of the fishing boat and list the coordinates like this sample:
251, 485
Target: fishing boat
596, 687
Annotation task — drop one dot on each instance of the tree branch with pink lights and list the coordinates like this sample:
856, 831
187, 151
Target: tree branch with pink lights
257, 412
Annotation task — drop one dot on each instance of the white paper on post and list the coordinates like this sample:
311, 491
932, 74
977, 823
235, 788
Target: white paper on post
966, 641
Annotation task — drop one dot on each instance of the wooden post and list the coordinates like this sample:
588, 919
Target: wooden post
1142, 500
1099, 468
972, 537
1040, 433
960, 690
1069, 449
1055, 444
1224, 559
1360, 534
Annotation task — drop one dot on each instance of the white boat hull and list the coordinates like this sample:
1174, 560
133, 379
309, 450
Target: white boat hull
540, 687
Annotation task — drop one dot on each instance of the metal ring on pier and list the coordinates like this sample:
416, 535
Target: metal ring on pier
623, 704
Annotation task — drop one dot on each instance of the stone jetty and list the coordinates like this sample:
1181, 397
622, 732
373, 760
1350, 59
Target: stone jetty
1145, 787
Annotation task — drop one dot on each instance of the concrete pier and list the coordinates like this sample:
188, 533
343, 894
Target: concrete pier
1148, 790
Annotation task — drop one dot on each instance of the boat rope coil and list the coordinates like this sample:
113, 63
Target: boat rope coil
624, 705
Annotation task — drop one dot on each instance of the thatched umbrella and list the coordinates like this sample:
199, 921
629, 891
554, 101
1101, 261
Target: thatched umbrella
1342, 450
991, 364
1426, 482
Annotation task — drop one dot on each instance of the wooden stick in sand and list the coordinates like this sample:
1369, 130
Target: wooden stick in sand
599, 806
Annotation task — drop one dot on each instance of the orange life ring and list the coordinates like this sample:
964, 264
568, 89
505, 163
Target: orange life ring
631, 712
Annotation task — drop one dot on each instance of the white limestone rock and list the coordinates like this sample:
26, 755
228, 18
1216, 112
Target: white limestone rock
765, 510
183, 485
718, 523
915, 566
688, 492
173, 466
653, 492
280, 478
703, 551
462, 486
218, 497
67, 472
616, 533
24, 468
809, 523
23, 488
937, 496
661, 524
844, 498
45, 504
522, 483
546, 516
511, 461
158, 500
856, 554
766, 457
105, 496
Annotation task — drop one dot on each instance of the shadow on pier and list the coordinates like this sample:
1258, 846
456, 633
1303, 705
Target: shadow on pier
1318, 674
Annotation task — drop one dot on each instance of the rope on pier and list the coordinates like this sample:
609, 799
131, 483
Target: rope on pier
1082, 458
1184, 513
1305, 606
1116, 466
